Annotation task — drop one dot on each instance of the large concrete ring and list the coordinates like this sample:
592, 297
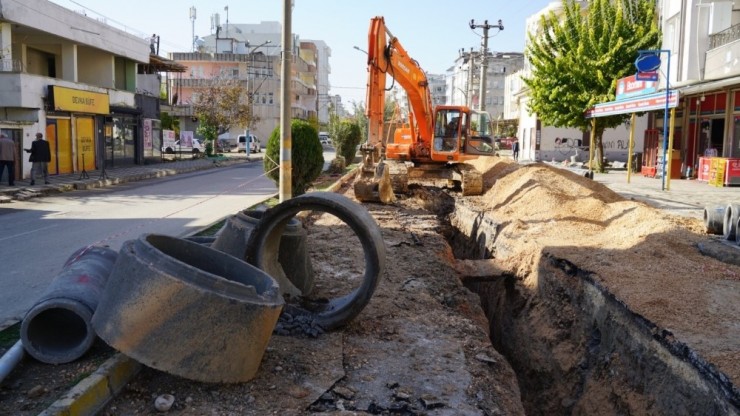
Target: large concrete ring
263, 248
293, 257
188, 310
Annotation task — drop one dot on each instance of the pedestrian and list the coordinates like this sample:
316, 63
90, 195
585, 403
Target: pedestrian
40, 157
153, 43
7, 158
515, 149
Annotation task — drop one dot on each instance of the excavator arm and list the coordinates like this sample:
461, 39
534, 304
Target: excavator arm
387, 57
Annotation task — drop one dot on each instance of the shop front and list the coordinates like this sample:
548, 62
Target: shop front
712, 134
71, 128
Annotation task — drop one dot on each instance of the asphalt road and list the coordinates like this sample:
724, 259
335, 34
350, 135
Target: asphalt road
39, 235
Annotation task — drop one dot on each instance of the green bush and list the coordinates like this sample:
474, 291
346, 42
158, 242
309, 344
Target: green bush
307, 156
346, 136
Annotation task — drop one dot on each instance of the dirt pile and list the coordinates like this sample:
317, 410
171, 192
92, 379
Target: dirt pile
647, 259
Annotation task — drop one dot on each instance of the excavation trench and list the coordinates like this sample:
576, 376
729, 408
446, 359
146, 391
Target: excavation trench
575, 347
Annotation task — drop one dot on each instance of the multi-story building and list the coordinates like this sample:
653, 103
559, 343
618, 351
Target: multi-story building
323, 69
703, 38
251, 54
74, 79
463, 79
438, 88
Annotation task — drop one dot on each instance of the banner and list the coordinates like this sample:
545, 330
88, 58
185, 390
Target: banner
168, 138
186, 138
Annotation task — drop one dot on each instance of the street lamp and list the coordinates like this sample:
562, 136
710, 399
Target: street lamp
360, 49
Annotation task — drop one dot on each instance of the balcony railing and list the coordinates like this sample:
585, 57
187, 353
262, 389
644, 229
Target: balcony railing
11, 65
724, 37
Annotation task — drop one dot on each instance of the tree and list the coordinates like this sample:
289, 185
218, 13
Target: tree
346, 136
307, 156
578, 57
221, 105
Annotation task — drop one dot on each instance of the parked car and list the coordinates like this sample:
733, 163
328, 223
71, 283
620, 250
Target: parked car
196, 148
254, 144
324, 138
223, 145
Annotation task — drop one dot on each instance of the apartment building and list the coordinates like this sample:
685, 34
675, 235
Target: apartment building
463, 79
703, 38
74, 79
251, 54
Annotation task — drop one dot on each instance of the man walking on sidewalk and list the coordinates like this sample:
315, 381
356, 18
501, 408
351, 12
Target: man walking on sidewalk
40, 157
7, 158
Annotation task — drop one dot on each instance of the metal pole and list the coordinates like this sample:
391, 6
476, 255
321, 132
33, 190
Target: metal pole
631, 147
469, 93
286, 167
665, 116
670, 146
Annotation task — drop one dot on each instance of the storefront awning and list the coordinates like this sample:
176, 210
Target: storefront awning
639, 104
708, 86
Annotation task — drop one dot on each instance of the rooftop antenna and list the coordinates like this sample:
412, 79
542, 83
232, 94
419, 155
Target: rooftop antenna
226, 9
192, 19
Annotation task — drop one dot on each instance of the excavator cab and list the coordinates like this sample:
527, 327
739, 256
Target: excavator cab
459, 131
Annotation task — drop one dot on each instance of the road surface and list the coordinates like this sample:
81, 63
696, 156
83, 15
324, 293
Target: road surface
39, 235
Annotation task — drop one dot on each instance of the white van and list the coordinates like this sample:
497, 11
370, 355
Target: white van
254, 144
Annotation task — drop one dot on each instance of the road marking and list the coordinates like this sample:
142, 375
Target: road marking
27, 232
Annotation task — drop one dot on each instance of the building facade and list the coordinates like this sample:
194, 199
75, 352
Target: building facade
250, 54
73, 79
463, 80
703, 38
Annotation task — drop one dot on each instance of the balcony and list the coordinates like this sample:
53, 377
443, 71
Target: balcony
722, 58
11, 65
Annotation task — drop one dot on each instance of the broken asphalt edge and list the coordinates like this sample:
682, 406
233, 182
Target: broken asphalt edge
94, 392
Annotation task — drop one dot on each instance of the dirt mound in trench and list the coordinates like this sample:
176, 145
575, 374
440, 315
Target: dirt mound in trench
646, 257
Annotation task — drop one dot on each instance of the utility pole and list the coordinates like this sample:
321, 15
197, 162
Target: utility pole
484, 58
469, 93
285, 189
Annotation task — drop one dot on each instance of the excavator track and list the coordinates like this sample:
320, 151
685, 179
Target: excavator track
471, 180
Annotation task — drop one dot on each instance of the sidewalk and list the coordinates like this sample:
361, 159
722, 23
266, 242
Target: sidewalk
684, 197
95, 179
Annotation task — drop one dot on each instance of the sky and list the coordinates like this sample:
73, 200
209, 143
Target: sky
431, 31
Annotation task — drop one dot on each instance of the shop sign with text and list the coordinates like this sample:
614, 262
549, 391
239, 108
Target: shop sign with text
78, 101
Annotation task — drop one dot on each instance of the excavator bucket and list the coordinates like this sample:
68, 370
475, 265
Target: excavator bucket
374, 185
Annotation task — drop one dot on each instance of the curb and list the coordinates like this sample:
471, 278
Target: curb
91, 394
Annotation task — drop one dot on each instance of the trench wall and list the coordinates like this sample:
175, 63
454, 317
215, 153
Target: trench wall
576, 348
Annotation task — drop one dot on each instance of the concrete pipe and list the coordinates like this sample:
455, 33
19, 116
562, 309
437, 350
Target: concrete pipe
262, 249
57, 328
732, 213
714, 218
292, 253
188, 309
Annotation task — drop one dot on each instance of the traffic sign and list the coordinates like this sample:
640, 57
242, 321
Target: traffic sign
647, 61
646, 76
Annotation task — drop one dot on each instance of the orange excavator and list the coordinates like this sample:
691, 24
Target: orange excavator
432, 144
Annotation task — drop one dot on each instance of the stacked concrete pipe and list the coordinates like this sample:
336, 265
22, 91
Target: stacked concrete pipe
292, 252
189, 310
732, 215
714, 218
57, 329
